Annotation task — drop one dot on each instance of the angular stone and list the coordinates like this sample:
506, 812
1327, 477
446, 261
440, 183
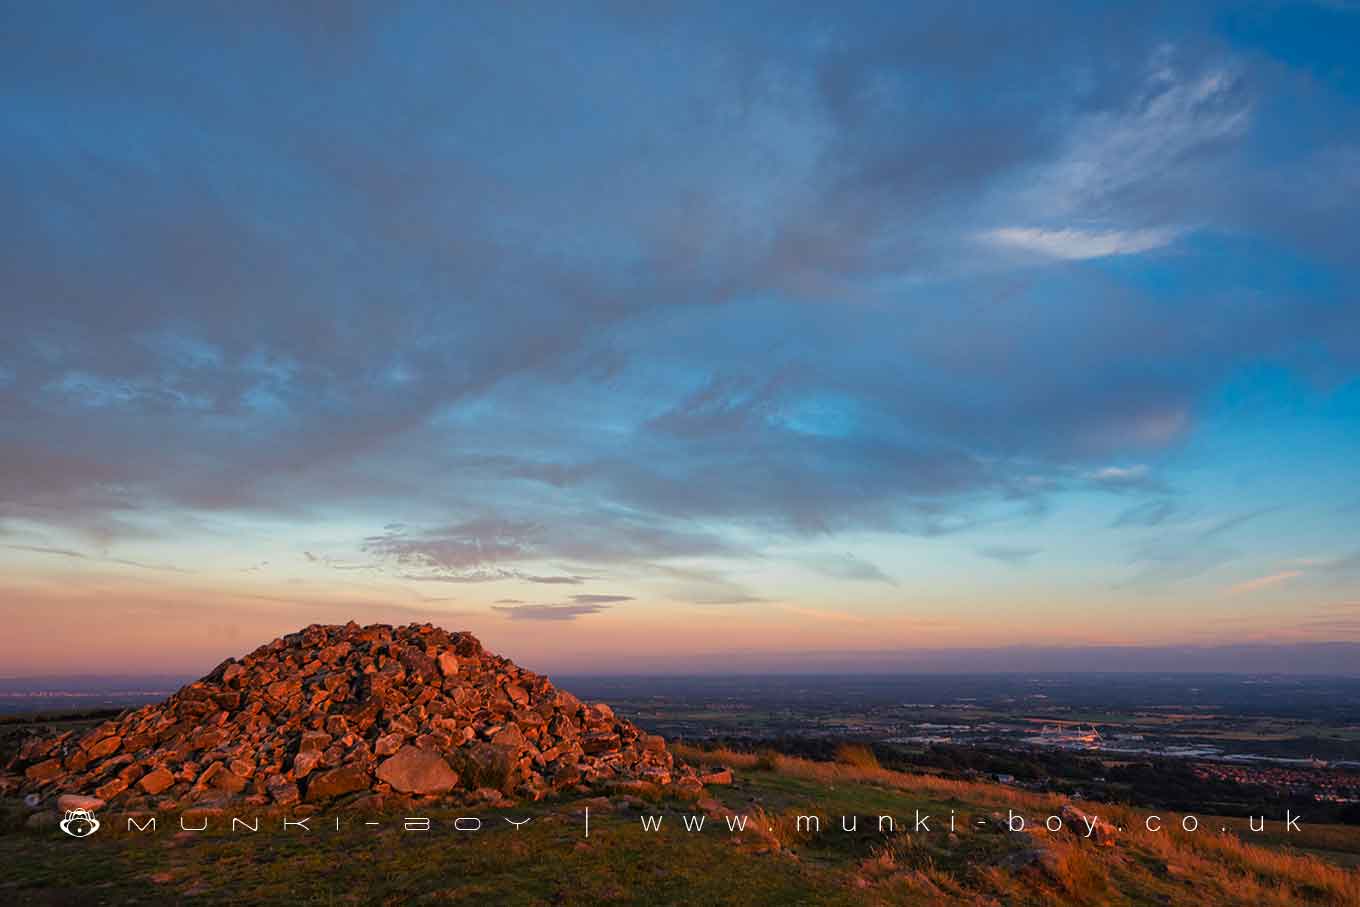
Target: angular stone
110, 789
448, 664
218, 777
510, 737
155, 781
418, 771
337, 781
106, 747
43, 771
303, 763
283, 791
485, 765
314, 740
388, 744
600, 742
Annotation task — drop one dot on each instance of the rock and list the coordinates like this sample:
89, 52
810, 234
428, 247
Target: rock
156, 780
486, 765
388, 744
220, 778
722, 776
417, 771
304, 762
79, 801
320, 709
337, 781
43, 771
600, 743
1077, 822
282, 791
111, 788
509, 737
313, 740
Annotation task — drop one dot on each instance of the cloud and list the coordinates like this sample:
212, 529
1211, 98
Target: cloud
1123, 478
550, 612
104, 559
1228, 524
847, 567
1078, 244
1148, 513
752, 313
1263, 582
1008, 554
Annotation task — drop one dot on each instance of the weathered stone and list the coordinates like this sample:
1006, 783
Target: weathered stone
600, 742
155, 781
314, 740
79, 801
448, 664
510, 737
418, 771
43, 771
388, 744
305, 762
106, 747
283, 791
1078, 822
218, 777
486, 765
337, 781
111, 788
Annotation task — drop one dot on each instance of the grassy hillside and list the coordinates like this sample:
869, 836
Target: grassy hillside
549, 861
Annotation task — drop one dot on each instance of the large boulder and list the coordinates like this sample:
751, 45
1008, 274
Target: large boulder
416, 771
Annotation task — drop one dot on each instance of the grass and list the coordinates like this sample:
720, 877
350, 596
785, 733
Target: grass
776, 860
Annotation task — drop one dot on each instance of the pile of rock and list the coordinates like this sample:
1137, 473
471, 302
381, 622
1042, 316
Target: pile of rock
346, 712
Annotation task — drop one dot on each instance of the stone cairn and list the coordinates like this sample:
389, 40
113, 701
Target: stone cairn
351, 714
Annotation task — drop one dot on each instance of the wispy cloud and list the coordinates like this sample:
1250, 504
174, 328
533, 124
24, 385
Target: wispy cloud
1074, 245
549, 612
1148, 513
1264, 582
1124, 478
96, 558
847, 567
1008, 554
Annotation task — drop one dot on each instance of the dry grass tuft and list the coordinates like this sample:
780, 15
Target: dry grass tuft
857, 755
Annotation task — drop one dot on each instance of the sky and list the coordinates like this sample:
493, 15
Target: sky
647, 336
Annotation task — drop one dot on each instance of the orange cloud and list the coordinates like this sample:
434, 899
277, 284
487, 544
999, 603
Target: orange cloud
1262, 582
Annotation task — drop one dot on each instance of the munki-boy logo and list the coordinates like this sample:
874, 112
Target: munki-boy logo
79, 823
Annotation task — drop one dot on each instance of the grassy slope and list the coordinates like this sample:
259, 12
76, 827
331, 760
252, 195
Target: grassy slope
548, 861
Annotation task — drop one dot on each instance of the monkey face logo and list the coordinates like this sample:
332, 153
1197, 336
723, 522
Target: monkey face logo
79, 823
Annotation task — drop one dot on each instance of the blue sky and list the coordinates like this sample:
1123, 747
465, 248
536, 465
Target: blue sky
683, 329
